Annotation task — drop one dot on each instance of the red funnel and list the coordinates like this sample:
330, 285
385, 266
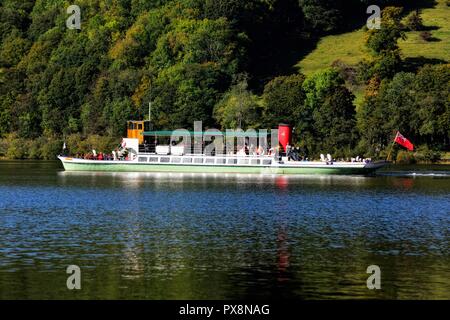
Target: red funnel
284, 135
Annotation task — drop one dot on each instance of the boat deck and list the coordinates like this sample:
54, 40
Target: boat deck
231, 163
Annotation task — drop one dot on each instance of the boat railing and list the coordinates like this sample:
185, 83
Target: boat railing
218, 155
202, 159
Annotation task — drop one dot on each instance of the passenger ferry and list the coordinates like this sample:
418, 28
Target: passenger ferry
138, 155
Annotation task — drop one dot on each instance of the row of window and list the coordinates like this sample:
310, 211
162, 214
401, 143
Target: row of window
188, 160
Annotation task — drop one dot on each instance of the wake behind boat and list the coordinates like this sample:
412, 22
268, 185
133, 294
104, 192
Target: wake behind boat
137, 155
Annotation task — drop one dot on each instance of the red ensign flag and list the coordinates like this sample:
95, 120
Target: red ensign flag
401, 140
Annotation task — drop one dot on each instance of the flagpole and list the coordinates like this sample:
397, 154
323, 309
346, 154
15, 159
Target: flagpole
392, 146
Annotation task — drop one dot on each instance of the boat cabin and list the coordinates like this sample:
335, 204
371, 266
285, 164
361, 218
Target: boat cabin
136, 129
149, 141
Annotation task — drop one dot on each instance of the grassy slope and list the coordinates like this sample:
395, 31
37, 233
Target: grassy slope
438, 17
349, 47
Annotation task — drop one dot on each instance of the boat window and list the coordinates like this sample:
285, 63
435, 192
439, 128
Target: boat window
243, 161
198, 160
187, 160
232, 161
165, 159
221, 161
140, 126
267, 161
142, 159
209, 160
254, 161
153, 159
176, 160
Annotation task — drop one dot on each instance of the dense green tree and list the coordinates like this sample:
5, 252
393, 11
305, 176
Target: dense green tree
415, 104
198, 41
15, 16
383, 40
321, 15
432, 99
235, 11
383, 44
114, 113
183, 94
283, 100
239, 108
382, 115
6, 114
327, 123
335, 124
371, 120
45, 16
12, 49
140, 39
183, 56
140, 6
319, 85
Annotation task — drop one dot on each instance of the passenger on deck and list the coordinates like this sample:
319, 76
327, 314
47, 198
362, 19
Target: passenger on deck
278, 153
241, 152
260, 151
288, 151
293, 154
252, 150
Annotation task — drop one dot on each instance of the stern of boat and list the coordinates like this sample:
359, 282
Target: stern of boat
374, 166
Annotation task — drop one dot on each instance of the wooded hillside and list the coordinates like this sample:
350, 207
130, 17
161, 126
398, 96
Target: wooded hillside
225, 62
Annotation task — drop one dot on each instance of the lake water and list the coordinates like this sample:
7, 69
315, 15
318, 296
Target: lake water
186, 236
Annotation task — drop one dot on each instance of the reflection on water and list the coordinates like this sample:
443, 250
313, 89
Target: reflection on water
221, 236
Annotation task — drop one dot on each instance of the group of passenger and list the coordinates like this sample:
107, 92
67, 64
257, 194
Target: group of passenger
114, 155
329, 160
359, 159
251, 150
293, 153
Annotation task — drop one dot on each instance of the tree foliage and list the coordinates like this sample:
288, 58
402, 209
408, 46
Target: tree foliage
283, 99
418, 105
239, 108
328, 118
186, 57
